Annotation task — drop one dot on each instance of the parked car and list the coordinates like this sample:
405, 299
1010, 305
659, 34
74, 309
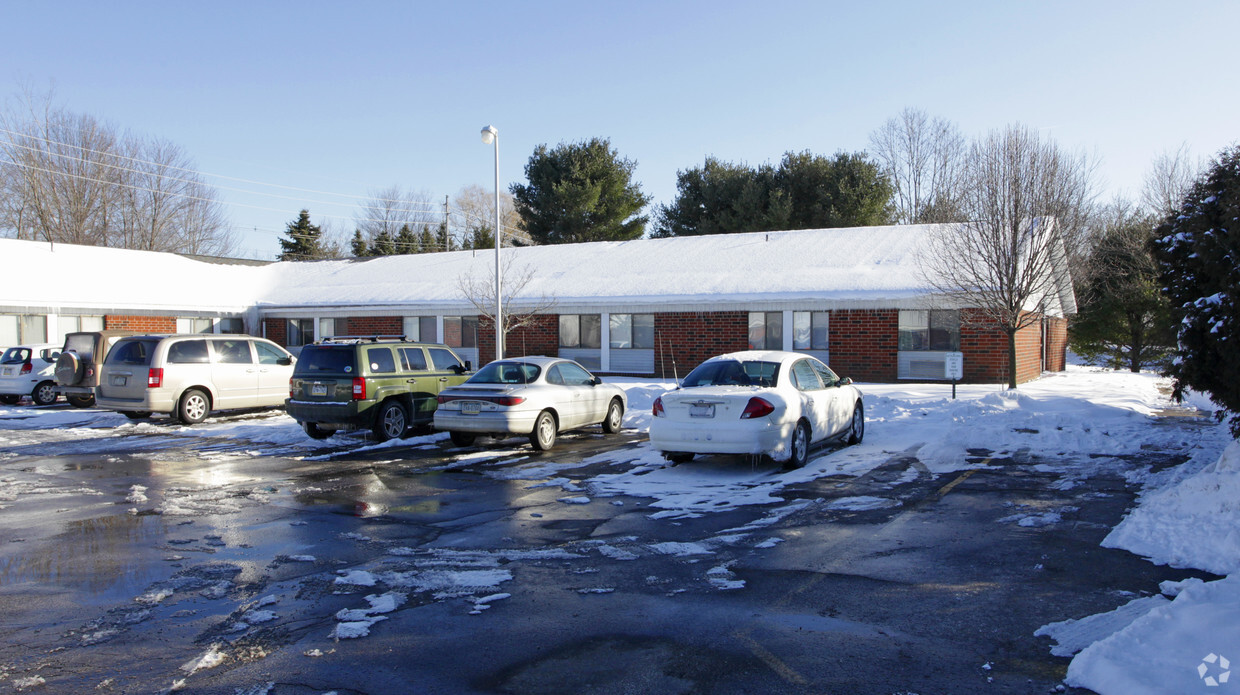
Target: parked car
383, 384
757, 402
188, 376
77, 370
29, 370
534, 396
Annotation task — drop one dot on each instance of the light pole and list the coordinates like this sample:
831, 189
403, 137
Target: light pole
491, 135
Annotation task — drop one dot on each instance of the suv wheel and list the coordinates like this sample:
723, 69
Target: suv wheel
392, 421
315, 432
193, 407
81, 401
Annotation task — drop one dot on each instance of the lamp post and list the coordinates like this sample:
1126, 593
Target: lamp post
491, 135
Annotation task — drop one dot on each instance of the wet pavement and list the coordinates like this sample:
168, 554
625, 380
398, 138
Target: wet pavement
221, 565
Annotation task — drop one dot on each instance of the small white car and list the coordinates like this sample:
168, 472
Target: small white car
535, 396
757, 402
29, 370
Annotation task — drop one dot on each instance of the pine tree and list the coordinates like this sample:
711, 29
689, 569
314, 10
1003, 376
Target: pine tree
407, 241
1198, 248
359, 244
303, 241
383, 245
426, 240
443, 239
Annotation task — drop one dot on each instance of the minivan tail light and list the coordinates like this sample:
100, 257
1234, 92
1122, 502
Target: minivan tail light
359, 388
757, 407
155, 378
27, 368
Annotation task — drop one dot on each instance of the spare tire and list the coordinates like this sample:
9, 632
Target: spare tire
68, 369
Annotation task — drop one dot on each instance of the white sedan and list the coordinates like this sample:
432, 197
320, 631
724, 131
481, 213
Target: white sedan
535, 396
29, 370
757, 402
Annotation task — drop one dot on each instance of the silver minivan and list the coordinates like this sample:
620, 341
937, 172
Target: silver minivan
188, 376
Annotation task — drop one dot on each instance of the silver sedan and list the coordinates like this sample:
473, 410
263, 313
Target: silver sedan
535, 396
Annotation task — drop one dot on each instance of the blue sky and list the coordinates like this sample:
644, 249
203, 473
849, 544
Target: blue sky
351, 98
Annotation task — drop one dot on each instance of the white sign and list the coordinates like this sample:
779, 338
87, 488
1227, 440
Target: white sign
953, 366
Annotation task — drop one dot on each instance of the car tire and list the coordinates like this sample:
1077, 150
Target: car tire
9, 398
391, 422
543, 435
136, 414
798, 447
856, 430
615, 417
44, 393
80, 401
462, 438
679, 457
313, 431
193, 407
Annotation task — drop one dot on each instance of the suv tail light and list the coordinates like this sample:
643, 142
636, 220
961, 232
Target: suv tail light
658, 407
154, 378
26, 368
291, 391
359, 388
757, 407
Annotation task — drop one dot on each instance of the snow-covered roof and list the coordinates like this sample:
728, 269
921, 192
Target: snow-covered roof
831, 268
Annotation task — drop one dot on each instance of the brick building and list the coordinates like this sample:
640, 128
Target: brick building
651, 307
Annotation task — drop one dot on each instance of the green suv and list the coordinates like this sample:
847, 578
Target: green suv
380, 383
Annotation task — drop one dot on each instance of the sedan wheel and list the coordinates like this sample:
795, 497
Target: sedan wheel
615, 417
44, 393
193, 407
543, 436
392, 421
799, 446
857, 429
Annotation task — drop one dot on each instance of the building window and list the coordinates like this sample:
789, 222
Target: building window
329, 328
632, 331
460, 331
935, 330
581, 331
766, 330
420, 329
18, 330
300, 332
76, 324
195, 325
235, 326
809, 330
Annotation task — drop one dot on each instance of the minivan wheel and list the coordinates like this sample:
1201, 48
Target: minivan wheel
44, 393
543, 436
80, 401
392, 421
193, 407
462, 438
315, 432
615, 417
9, 398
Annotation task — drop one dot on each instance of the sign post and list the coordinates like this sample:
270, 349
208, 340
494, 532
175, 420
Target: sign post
953, 368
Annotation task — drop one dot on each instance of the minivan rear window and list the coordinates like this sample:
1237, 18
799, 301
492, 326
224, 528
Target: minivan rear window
326, 360
132, 352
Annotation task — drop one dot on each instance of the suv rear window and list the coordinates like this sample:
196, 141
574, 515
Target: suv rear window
326, 360
132, 352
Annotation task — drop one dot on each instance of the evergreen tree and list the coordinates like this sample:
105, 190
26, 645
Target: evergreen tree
443, 240
1198, 250
407, 241
359, 244
303, 242
383, 245
480, 237
580, 192
426, 240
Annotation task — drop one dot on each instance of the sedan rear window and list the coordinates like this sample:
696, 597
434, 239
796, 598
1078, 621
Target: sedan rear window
326, 360
733, 373
506, 373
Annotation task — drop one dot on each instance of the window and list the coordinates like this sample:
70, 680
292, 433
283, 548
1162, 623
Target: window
333, 327
581, 331
15, 330
828, 377
443, 359
809, 330
136, 353
460, 331
235, 326
300, 332
937, 330
766, 330
269, 354
381, 361
420, 329
413, 359
192, 325
76, 324
632, 331
188, 352
233, 351
804, 377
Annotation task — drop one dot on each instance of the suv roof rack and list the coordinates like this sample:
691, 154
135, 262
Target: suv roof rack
355, 339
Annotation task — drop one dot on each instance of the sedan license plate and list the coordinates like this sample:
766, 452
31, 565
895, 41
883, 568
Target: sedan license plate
318, 389
119, 380
471, 408
702, 410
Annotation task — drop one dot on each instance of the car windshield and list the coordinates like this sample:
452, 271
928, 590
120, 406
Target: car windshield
733, 373
506, 373
15, 355
326, 360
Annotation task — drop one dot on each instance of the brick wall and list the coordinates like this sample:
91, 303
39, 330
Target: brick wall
145, 324
541, 337
683, 340
276, 331
985, 349
374, 325
863, 343
1056, 344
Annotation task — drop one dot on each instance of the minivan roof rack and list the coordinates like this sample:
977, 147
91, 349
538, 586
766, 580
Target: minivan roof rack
354, 339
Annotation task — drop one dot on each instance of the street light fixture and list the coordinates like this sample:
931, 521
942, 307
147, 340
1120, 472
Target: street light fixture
491, 135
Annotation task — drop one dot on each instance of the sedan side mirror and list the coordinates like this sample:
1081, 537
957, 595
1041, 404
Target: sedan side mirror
285, 361
845, 381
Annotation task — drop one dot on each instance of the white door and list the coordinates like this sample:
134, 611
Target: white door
234, 373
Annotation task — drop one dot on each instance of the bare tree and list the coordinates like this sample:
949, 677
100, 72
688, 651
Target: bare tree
386, 211
1010, 261
518, 311
1169, 179
166, 204
474, 211
922, 157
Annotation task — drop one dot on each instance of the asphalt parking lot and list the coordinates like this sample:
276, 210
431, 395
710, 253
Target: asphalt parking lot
232, 563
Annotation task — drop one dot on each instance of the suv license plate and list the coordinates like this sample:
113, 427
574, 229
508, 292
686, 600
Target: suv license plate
119, 380
318, 389
471, 408
702, 410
